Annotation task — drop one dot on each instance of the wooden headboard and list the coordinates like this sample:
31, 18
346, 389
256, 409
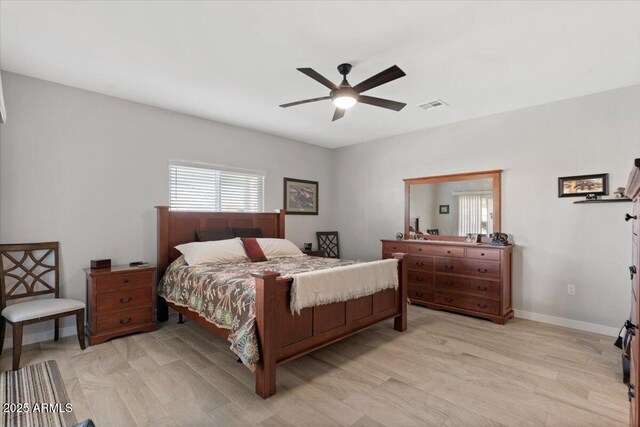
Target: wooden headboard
178, 227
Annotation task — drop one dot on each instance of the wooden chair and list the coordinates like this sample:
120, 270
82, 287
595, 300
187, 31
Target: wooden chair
28, 270
329, 243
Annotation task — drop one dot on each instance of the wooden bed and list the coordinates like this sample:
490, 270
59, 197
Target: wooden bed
282, 336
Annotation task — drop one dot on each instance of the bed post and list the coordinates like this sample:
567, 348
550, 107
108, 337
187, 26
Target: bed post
163, 259
281, 216
400, 322
266, 282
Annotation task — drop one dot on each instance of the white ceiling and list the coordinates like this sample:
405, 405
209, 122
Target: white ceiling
235, 62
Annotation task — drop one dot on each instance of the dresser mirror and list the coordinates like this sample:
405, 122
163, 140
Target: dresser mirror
450, 207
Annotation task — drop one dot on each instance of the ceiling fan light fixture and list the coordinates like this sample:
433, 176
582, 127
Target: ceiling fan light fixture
344, 101
344, 98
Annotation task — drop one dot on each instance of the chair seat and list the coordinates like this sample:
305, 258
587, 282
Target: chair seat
35, 309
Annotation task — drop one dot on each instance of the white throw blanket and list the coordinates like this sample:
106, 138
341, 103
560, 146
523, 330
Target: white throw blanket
320, 287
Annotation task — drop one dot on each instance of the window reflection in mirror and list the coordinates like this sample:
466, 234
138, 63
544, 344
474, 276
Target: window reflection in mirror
452, 208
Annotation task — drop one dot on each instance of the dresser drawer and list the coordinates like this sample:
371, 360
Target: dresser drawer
108, 302
484, 288
420, 278
123, 319
467, 302
419, 249
124, 281
420, 293
392, 247
484, 269
482, 253
422, 263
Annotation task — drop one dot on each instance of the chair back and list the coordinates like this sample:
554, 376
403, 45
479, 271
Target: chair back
27, 270
328, 242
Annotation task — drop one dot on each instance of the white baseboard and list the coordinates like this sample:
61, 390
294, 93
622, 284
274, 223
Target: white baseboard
40, 336
568, 323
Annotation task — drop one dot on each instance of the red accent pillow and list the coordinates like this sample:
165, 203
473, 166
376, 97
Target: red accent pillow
253, 249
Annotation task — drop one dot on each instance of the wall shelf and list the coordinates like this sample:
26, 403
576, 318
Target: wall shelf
579, 202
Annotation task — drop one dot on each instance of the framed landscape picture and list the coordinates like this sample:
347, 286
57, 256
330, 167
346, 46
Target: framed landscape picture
300, 196
581, 185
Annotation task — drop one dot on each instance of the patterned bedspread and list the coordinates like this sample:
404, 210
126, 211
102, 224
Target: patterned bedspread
224, 294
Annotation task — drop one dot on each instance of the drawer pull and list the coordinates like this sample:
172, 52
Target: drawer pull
632, 271
448, 267
125, 280
420, 294
481, 253
482, 288
419, 264
483, 270
448, 252
419, 279
419, 249
448, 299
482, 305
448, 284
125, 321
125, 300
627, 217
631, 394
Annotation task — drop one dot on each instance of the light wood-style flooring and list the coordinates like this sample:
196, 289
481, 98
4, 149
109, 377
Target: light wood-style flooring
446, 370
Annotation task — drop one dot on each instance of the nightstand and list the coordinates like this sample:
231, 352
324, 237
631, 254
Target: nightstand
317, 252
120, 301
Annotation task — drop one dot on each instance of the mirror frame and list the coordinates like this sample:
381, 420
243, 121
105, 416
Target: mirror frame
495, 175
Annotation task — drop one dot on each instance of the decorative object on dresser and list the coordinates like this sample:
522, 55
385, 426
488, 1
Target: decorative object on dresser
300, 197
329, 243
120, 301
466, 278
308, 246
28, 270
100, 263
633, 192
583, 185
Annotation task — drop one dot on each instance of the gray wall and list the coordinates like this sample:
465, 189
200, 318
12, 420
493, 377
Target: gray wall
87, 170
559, 243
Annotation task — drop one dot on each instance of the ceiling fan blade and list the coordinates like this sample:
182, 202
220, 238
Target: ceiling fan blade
305, 101
338, 114
381, 78
379, 102
318, 77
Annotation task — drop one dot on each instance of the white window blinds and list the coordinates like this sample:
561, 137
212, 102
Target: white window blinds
206, 189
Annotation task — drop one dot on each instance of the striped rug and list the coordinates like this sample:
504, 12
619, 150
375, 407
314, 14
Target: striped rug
34, 396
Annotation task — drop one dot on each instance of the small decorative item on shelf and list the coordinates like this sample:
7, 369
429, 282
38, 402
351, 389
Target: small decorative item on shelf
399, 236
619, 193
471, 238
592, 197
308, 246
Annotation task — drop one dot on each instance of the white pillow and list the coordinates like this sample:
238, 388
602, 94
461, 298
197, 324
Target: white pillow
278, 248
217, 251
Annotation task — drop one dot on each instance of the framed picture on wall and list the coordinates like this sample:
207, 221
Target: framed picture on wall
444, 209
581, 185
300, 196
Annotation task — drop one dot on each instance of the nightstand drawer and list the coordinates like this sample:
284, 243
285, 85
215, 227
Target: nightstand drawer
108, 302
124, 281
123, 319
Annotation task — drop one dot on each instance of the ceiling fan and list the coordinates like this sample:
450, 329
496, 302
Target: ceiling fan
346, 96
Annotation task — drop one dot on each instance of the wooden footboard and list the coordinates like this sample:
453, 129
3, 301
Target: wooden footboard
284, 335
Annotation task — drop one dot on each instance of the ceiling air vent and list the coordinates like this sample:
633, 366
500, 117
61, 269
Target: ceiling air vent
433, 104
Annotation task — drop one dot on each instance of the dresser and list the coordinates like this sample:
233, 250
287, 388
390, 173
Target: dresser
120, 301
466, 278
633, 191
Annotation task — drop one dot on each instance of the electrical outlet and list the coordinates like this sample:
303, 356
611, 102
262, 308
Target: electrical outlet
571, 289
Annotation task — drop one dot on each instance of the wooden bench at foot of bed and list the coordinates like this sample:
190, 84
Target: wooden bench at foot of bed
282, 335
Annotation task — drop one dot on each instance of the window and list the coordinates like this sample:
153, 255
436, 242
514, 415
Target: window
208, 189
475, 213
